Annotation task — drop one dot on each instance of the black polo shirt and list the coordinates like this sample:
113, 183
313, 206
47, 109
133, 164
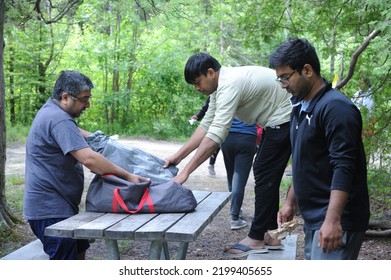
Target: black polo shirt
328, 154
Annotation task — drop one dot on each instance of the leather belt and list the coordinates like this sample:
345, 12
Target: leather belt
277, 126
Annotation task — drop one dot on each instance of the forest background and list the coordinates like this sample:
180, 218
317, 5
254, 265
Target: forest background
134, 51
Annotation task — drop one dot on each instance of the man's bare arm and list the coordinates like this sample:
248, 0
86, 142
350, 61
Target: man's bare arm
192, 144
289, 209
330, 233
204, 151
85, 133
101, 165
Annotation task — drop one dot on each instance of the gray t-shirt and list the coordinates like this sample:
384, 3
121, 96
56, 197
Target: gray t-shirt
54, 179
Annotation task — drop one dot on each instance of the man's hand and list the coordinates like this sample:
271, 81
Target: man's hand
330, 237
180, 178
289, 209
136, 178
172, 160
285, 214
330, 233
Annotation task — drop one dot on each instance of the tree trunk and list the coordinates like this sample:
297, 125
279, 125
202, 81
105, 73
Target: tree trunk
129, 84
383, 222
7, 220
378, 233
116, 72
380, 227
12, 87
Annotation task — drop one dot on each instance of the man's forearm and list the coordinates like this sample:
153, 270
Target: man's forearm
192, 144
204, 152
85, 133
338, 200
98, 163
290, 197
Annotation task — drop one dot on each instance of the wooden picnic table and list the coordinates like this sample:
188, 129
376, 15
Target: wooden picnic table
159, 229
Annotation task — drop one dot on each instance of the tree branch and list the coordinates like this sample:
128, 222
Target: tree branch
378, 233
355, 56
61, 11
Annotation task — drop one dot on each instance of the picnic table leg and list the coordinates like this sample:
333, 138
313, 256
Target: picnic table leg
165, 255
112, 249
182, 251
158, 250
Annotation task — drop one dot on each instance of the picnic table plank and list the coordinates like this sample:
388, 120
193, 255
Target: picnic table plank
188, 228
200, 195
97, 227
157, 227
125, 228
66, 227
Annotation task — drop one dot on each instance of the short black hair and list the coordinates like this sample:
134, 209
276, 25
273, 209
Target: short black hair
71, 82
295, 53
198, 64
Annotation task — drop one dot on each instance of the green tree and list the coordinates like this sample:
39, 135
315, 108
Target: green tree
43, 16
136, 55
7, 220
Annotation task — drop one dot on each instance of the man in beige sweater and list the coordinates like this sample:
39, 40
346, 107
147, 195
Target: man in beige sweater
251, 94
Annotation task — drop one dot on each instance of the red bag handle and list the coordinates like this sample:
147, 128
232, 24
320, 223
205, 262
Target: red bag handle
117, 199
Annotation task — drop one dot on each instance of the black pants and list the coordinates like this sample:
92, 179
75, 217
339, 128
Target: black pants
269, 166
212, 159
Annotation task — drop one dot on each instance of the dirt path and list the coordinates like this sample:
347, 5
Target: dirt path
215, 237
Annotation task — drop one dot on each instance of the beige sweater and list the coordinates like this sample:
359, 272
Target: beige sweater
249, 93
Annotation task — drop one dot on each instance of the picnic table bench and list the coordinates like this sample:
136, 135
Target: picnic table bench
157, 228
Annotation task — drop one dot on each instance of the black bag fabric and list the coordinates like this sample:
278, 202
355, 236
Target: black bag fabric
132, 159
169, 197
109, 193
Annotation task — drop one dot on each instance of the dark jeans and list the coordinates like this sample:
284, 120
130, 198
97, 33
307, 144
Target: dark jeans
238, 151
351, 244
269, 166
56, 247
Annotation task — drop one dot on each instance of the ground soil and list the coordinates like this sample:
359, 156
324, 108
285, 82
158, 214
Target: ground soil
213, 239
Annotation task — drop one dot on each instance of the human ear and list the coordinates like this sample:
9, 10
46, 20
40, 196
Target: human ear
307, 70
211, 73
64, 95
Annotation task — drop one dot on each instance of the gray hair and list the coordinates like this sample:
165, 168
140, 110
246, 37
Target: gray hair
71, 82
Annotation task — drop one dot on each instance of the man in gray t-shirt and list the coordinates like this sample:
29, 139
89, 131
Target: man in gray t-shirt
56, 151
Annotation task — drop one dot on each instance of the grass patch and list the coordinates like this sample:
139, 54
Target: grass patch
14, 188
17, 133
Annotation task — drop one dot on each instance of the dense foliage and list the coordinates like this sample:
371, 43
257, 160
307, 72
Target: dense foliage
135, 51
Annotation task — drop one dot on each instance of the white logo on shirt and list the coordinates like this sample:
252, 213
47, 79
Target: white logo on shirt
309, 119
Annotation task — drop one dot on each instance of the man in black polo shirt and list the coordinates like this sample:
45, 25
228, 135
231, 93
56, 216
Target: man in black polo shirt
328, 158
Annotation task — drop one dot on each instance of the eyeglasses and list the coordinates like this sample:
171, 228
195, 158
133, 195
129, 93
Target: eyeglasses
285, 80
83, 100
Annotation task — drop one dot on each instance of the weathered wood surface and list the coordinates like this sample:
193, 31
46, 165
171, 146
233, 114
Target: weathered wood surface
96, 228
126, 228
190, 226
66, 228
154, 227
